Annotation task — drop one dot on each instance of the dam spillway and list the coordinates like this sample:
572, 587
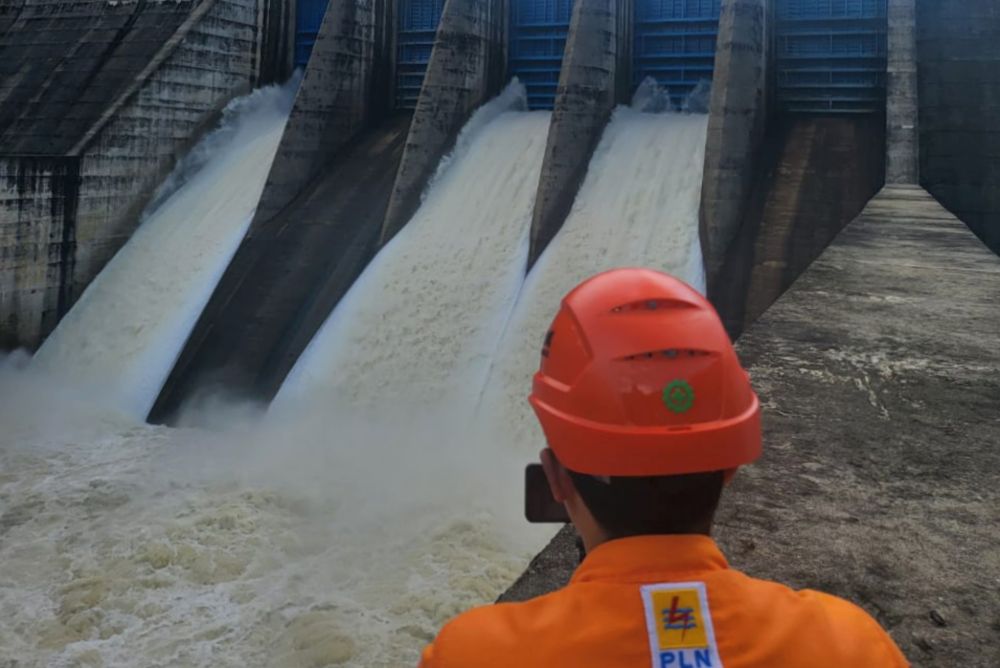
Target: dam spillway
379, 493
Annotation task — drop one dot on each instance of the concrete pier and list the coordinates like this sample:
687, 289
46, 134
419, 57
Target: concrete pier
880, 480
814, 175
902, 141
958, 68
465, 70
335, 102
736, 124
588, 86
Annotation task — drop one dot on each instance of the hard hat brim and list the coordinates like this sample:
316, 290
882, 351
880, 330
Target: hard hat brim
596, 448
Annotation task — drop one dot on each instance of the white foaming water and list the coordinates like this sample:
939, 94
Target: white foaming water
421, 323
638, 206
120, 340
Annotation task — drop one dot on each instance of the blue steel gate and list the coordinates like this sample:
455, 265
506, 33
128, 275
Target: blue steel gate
418, 23
538, 30
675, 43
308, 18
831, 55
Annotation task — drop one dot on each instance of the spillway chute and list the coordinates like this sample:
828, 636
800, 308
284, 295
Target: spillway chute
121, 338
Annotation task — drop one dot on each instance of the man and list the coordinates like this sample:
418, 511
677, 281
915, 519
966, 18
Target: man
648, 414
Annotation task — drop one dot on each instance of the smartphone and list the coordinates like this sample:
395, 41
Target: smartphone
539, 506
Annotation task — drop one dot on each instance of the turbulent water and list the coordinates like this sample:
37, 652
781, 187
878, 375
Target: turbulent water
121, 338
368, 505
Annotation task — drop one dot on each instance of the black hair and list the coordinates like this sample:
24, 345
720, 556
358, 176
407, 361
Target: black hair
639, 506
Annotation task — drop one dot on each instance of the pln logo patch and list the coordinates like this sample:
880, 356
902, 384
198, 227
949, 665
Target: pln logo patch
680, 626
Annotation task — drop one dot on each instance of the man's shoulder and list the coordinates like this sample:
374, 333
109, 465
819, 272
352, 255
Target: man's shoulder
817, 619
498, 629
500, 623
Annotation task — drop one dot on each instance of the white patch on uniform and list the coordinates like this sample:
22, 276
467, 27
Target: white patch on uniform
679, 625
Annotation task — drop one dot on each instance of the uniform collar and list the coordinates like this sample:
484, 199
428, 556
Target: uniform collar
640, 558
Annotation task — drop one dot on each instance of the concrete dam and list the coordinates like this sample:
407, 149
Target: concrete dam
274, 275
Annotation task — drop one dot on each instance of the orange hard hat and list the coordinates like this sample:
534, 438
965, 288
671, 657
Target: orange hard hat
638, 378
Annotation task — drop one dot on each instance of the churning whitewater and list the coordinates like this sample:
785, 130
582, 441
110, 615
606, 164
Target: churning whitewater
376, 498
122, 337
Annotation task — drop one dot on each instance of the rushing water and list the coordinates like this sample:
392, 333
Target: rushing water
637, 206
421, 323
369, 504
123, 335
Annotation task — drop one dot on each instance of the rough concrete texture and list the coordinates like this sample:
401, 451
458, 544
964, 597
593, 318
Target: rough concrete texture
737, 117
37, 202
336, 100
815, 175
902, 135
586, 94
958, 56
123, 103
9, 11
63, 62
880, 480
465, 69
286, 278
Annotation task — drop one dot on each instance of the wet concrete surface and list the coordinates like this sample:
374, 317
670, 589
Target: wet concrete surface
879, 375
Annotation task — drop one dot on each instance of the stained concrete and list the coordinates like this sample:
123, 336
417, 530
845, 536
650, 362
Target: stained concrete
37, 206
317, 223
958, 56
588, 84
287, 276
879, 376
9, 11
342, 94
736, 124
814, 176
120, 90
902, 143
62, 63
465, 69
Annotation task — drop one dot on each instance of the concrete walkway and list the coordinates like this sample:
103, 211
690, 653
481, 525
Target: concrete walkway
879, 371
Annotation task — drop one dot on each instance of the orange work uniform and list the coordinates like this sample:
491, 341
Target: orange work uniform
665, 602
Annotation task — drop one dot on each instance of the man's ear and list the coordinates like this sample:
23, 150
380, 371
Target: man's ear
559, 481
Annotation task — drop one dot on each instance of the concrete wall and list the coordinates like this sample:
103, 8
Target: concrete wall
465, 69
589, 84
338, 98
124, 91
276, 45
37, 199
902, 139
737, 119
958, 48
814, 175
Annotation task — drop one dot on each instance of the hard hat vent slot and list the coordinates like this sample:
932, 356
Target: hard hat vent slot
672, 353
652, 305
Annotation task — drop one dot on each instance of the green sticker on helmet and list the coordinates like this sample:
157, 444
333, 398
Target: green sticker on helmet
678, 396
